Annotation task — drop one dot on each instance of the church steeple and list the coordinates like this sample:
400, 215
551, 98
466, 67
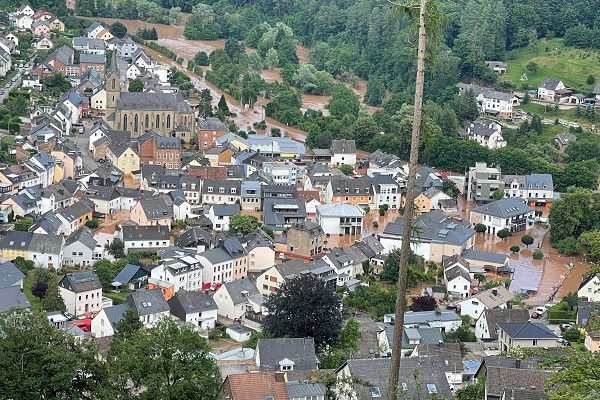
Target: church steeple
113, 85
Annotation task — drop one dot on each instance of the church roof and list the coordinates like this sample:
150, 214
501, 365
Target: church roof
152, 101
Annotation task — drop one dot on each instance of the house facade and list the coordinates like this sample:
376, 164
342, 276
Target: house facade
82, 292
510, 213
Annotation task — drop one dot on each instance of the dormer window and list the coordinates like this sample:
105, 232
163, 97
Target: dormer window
286, 365
233, 190
221, 190
209, 189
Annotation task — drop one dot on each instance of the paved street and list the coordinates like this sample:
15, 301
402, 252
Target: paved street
82, 141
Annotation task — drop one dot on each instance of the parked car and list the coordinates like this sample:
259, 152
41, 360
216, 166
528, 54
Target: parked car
573, 124
563, 122
81, 130
7, 85
564, 327
535, 315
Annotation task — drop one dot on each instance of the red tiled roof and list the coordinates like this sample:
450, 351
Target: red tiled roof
255, 386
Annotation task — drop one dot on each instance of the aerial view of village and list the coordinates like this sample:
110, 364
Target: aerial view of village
300, 200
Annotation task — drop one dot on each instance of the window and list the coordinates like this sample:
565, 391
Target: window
168, 121
157, 121
375, 392
534, 342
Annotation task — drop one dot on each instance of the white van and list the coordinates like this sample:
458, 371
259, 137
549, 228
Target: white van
541, 310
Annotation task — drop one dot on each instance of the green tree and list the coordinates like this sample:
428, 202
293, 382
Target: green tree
243, 224
532, 67
498, 194
118, 29
525, 98
17, 105
568, 246
349, 337
577, 378
39, 361
466, 106
472, 391
117, 248
201, 58
271, 59
461, 334
169, 361
589, 242
480, 278
23, 265
363, 130
106, 272
480, 228
503, 233
129, 326
23, 224
515, 249
590, 80
527, 240
93, 223
304, 307
572, 335
222, 105
449, 187
375, 93
205, 103
583, 174
53, 300
416, 270
136, 85
343, 101
347, 169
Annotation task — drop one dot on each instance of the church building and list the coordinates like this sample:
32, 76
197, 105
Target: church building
138, 112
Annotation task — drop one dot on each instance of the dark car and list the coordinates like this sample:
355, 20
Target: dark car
535, 315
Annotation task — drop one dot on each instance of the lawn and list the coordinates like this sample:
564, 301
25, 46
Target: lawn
570, 65
35, 302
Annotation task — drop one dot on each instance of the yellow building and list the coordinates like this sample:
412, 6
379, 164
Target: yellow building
57, 25
123, 157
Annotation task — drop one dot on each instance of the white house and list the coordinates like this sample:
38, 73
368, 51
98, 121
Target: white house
105, 322
31, 80
523, 335
146, 238
197, 308
537, 189
150, 305
497, 297
82, 292
182, 268
133, 71
343, 152
80, 248
46, 251
490, 101
233, 298
23, 21
98, 102
548, 87
220, 214
446, 320
387, 191
226, 262
589, 289
458, 280
510, 213
487, 133
340, 218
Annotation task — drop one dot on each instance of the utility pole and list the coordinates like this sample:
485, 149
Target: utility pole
408, 211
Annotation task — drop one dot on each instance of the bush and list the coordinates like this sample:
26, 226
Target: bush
572, 335
538, 255
93, 224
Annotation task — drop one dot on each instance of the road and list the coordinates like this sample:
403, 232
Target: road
82, 141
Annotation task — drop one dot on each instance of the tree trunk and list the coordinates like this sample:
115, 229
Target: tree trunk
408, 214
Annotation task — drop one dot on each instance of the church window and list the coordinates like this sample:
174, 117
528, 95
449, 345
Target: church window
113, 86
125, 122
147, 123
157, 121
168, 121
135, 123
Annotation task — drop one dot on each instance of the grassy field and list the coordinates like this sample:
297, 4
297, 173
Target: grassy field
570, 65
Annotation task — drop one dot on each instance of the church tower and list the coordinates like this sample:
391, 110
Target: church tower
113, 85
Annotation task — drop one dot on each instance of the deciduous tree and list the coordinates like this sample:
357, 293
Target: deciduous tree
527, 240
136, 85
423, 303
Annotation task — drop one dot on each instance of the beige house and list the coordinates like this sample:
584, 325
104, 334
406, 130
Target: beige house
82, 292
71, 161
122, 156
305, 240
515, 335
154, 210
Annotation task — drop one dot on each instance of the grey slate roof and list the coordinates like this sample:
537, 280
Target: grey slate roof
479, 255
148, 302
236, 287
192, 236
150, 232
13, 297
9, 275
298, 389
156, 207
16, 240
501, 381
483, 128
75, 211
116, 313
185, 302
83, 235
539, 181
152, 101
434, 227
226, 209
48, 222
92, 58
79, 282
485, 91
424, 317
376, 372
585, 310
549, 83
504, 208
566, 137
500, 315
456, 271
41, 243
527, 330
343, 146
299, 350
212, 124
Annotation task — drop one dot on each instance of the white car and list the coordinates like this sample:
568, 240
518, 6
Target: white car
573, 124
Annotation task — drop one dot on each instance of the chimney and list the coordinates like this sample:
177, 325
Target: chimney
518, 363
279, 376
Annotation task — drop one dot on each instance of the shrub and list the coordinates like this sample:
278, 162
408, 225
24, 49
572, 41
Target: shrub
538, 255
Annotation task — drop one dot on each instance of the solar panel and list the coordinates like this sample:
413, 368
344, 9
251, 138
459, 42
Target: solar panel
83, 276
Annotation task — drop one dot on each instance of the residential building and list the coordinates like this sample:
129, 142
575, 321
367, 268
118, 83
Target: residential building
281, 213
305, 240
446, 320
82, 292
340, 218
131, 276
74, 216
430, 370
281, 173
251, 195
159, 150
536, 189
208, 131
286, 354
81, 248
181, 267
105, 322
13, 297
438, 236
517, 382
510, 213
496, 297
226, 262
548, 87
150, 304
523, 335
427, 179
121, 155
233, 298
481, 182
94, 61
589, 289
358, 192
145, 237
486, 329
195, 239
490, 101
260, 385
562, 140
451, 359
106, 200
197, 308
386, 192
155, 210
273, 277
498, 67
220, 214
221, 191
44, 250
592, 333
458, 281
432, 199
343, 152
487, 133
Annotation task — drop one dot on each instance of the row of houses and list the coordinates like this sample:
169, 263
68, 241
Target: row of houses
38, 22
